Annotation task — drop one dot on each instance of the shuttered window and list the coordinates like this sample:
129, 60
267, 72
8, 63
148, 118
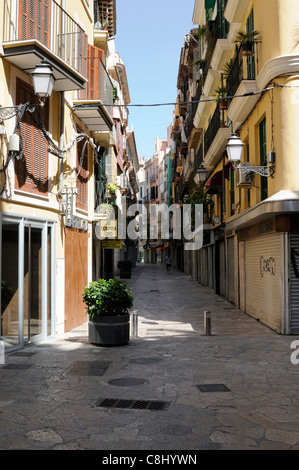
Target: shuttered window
32, 172
82, 173
34, 20
251, 59
94, 64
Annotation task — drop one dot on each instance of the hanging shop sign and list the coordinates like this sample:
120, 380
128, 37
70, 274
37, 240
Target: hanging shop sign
111, 244
108, 228
71, 220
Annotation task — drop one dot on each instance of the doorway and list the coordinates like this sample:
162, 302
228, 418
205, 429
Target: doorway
26, 281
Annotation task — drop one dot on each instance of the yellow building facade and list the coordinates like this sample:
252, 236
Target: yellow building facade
250, 252
51, 185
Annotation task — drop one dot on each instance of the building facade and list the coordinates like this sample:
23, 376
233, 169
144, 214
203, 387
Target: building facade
243, 80
58, 158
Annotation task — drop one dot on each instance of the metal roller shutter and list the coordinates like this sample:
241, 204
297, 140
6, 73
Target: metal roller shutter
264, 279
294, 283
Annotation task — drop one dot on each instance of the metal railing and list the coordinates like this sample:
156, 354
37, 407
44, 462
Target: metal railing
50, 25
217, 121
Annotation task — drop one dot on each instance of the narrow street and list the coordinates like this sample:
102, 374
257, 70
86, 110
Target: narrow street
52, 393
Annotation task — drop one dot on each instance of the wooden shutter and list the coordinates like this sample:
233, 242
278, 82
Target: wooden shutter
82, 171
34, 20
32, 172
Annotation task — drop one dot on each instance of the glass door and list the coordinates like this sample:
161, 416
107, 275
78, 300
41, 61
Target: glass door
27, 281
33, 274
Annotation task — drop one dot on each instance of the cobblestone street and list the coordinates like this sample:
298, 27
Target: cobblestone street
150, 395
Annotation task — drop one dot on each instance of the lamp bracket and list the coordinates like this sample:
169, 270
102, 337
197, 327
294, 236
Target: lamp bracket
266, 171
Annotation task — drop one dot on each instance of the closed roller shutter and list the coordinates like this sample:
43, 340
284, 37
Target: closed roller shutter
210, 267
231, 269
264, 279
294, 283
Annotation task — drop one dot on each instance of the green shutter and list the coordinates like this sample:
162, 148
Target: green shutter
263, 158
250, 60
209, 6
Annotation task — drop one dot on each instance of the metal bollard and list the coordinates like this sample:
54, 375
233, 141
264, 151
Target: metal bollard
135, 324
207, 323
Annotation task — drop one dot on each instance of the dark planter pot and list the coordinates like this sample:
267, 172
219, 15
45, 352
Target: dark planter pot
109, 330
125, 274
247, 49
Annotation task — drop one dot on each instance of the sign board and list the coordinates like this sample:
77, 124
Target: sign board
112, 244
108, 228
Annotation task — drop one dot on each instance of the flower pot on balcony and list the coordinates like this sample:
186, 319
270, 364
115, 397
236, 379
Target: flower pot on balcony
223, 104
247, 49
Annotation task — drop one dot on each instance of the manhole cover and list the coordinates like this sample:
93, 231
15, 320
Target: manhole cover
213, 388
128, 382
150, 405
88, 369
146, 360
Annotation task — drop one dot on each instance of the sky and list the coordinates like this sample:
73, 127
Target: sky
149, 38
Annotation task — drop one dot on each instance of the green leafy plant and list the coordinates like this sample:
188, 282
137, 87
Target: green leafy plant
112, 187
227, 68
221, 92
245, 38
107, 298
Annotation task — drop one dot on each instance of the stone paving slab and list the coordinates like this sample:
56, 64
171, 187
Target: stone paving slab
51, 404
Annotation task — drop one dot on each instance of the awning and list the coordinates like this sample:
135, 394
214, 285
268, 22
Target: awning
215, 184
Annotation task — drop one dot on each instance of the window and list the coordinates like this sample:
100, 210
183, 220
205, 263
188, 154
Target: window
82, 173
251, 59
263, 157
32, 172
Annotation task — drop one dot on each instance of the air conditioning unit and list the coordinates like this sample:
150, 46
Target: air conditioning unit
243, 179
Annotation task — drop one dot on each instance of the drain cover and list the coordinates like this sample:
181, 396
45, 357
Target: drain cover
89, 369
128, 382
213, 388
132, 404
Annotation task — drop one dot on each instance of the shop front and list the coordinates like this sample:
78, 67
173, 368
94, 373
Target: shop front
27, 280
266, 252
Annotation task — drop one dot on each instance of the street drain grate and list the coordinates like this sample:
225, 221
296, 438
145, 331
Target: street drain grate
132, 404
213, 388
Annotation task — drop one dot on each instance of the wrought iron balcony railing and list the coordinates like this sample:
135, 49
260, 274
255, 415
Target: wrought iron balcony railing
50, 26
217, 121
240, 72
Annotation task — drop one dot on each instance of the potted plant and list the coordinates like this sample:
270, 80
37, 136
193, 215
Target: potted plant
107, 305
112, 187
246, 41
124, 267
221, 93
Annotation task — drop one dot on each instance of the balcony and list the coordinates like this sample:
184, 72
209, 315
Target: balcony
94, 104
215, 138
240, 81
35, 30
